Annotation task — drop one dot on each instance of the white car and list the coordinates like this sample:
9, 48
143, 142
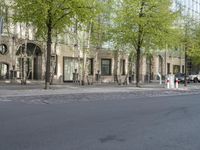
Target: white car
195, 77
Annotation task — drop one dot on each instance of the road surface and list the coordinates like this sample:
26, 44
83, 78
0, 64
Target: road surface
101, 123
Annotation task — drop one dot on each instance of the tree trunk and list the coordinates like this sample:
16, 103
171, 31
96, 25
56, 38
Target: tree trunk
138, 51
85, 52
138, 66
53, 63
116, 67
139, 44
23, 81
118, 73
95, 64
25, 61
48, 62
185, 76
84, 67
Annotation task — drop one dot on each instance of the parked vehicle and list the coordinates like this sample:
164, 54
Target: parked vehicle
195, 77
181, 78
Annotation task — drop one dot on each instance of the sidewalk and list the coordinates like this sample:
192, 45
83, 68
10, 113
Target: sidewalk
37, 88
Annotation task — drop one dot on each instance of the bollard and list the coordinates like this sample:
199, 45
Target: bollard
176, 83
168, 83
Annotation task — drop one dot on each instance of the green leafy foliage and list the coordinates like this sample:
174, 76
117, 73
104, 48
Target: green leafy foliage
151, 19
100, 24
63, 13
193, 40
52, 17
145, 25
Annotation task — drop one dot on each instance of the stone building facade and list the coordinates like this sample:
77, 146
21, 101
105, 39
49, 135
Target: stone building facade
163, 63
65, 61
103, 65
109, 65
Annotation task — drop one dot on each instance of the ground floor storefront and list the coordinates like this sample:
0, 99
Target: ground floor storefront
68, 64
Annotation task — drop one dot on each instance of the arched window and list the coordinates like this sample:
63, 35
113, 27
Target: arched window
4, 70
3, 49
33, 61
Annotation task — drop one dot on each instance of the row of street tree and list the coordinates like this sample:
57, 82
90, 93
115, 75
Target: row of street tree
135, 26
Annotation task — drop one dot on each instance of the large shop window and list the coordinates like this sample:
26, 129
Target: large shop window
106, 67
71, 65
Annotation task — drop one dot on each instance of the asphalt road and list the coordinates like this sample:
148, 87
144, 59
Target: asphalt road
143, 123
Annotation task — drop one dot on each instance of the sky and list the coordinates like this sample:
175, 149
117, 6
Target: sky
191, 7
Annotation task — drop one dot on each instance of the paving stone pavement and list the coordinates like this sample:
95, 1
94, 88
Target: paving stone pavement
35, 94
59, 97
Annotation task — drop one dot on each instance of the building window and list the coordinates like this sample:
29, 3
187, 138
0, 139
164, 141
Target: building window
4, 71
168, 68
122, 66
70, 66
90, 66
183, 69
176, 69
106, 67
3, 49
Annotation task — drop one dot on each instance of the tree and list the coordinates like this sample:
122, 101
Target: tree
189, 41
99, 30
194, 52
4, 15
144, 24
50, 17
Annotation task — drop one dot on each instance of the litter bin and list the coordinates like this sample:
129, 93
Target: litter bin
98, 76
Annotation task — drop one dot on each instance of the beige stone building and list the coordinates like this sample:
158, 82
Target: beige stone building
164, 62
65, 60
103, 65
22, 53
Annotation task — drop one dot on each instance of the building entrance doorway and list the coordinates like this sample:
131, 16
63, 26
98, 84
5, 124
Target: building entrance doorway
30, 61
